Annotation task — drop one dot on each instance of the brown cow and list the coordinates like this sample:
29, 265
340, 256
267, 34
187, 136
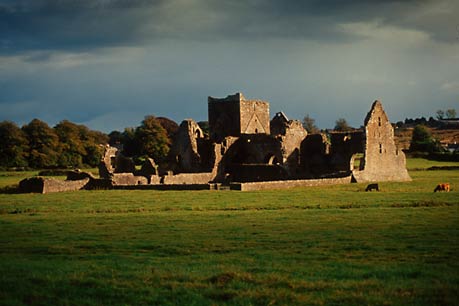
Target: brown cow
442, 187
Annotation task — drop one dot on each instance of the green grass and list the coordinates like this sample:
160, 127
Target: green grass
421, 163
334, 245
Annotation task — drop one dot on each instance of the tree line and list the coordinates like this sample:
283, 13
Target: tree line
69, 145
37, 145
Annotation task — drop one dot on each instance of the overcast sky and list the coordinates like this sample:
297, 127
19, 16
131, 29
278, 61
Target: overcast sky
109, 63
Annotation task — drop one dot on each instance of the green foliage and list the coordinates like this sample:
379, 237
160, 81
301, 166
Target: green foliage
333, 245
342, 125
153, 139
43, 144
78, 145
39, 146
14, 146
131, 146
309, 124
422, 140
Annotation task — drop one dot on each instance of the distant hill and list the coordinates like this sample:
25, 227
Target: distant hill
445, 136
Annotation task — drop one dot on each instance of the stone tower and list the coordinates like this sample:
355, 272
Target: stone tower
383, 161
235, 116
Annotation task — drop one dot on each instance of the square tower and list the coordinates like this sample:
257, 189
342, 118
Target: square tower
235, 116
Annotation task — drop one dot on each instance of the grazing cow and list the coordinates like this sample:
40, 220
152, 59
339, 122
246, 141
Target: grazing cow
371, 187
442, 187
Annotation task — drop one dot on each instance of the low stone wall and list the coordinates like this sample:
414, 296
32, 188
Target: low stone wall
289, 184
128, 179
49, 185
188, 178
165, 187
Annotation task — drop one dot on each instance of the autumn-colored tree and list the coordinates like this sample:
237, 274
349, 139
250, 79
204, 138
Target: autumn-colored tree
14, 145
170, 126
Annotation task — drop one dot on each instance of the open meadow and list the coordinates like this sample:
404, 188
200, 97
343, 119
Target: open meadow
332, 245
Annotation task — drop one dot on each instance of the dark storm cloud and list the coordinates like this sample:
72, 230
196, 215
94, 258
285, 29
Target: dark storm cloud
86, 24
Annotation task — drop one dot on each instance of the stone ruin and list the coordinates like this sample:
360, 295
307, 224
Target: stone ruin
245, 150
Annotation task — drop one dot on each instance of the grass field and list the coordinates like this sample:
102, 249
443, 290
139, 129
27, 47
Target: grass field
334, 245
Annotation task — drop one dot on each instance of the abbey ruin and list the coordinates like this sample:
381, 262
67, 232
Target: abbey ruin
246, 150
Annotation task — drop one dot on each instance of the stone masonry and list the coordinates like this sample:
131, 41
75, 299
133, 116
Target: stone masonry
383, 161
235, 115
245, 147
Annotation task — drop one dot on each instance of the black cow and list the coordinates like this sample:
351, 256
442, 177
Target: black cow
372, 187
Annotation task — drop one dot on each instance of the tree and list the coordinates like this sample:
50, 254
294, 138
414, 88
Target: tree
131, 146
115, 138
72, 149
342, 125
79, 145
170, 126
440, 114
43, 144
451, 113
153, 139
309, 124
422, 140
13, 145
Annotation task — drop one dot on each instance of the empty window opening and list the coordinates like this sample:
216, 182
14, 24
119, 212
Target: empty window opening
379, 121
380, 148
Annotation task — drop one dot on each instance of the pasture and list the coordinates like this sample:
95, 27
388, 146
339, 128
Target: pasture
333, 245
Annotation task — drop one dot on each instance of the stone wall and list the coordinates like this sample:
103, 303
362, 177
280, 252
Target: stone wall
128, 179
185, 147
254, 116
224, 117
383, 161
188, 178
50, 185
289, 184
291, 134
235, 115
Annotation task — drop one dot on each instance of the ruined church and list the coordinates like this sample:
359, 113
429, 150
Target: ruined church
247, 150
245, 145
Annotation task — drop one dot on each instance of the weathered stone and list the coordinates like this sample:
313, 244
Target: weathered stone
128, 179
187, 178
235, 116
77, 174
49, 185
291, 134
107, 164
286, 184
185, 147
383, 161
